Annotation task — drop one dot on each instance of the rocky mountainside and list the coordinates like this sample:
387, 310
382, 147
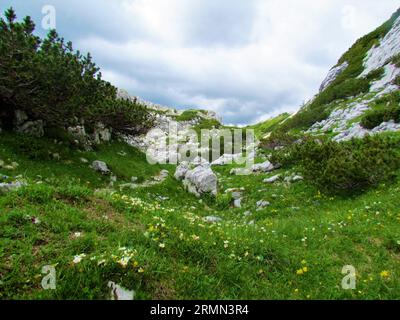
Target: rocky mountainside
366, 76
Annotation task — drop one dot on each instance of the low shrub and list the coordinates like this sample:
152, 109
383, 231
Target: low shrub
347, 167
385, 109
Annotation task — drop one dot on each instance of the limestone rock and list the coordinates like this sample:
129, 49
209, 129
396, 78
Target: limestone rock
101, 167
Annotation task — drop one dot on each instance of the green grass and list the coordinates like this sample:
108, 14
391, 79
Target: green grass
261, 129
174, 253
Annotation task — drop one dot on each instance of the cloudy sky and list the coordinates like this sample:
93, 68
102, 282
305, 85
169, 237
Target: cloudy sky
245, 59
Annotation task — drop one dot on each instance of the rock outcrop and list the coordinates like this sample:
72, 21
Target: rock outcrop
199, 180
332, 75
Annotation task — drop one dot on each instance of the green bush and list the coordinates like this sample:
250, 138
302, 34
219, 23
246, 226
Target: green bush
385, 109
279, 139
350, 166
51, 81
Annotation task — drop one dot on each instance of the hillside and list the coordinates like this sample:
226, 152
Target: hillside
78, 194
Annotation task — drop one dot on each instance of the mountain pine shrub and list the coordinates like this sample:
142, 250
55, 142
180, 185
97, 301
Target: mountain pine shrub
385, 109
51, 81
347, 167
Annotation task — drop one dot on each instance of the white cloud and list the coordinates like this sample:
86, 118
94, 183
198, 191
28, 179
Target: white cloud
244, 59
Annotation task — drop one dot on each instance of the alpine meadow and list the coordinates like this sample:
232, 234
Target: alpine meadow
310, 213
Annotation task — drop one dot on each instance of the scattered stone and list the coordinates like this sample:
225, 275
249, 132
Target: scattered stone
32, 128
120, 293
56, 156
199, 181
294, 178
262, 204
162, 199
212, 219
237, 203
101, 133
273, 179
101, 167
240, 172
12, 186
263, 167
83, 160
134, 179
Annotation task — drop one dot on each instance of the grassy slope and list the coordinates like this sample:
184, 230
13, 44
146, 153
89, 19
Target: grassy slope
261, 129
301, 228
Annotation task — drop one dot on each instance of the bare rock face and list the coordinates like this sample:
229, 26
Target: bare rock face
101, 133
332, 75
28, 127
388, 47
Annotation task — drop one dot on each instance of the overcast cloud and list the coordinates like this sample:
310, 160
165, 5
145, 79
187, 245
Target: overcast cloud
245, 59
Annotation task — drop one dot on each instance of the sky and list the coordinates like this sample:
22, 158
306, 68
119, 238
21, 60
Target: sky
247, 60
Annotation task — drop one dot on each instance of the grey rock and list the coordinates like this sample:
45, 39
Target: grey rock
273, 179
101, 167
200, 180
181, 171
32, 128
12, 186
332, 75
262, 204
212, 219
101, 133
263, 167
237, 203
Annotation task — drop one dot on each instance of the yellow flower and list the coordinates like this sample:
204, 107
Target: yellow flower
304, 262
300, 272
135, 264
305, 269
141, 270
162, 245
385, 274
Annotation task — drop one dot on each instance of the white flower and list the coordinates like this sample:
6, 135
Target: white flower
78, 259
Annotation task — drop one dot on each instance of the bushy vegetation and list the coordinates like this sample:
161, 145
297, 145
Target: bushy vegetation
51, 81
279, 139
345, 168
385, 109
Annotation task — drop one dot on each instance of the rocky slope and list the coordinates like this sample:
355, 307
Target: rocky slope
382, 59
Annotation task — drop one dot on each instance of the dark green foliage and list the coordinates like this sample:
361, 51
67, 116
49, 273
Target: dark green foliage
397, 80
50, 81
188, 115
279, 139
349, 167
396, 60
385, 109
